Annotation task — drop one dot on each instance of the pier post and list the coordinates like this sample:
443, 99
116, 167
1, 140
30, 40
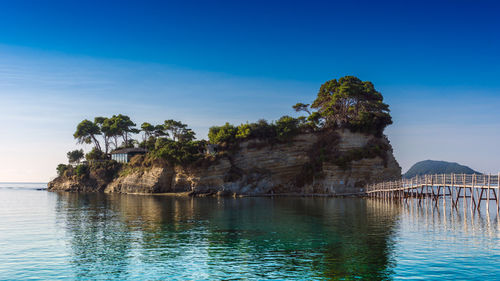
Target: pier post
444, 192
498, 193
488, 195
465, 190
451, 188
473, 190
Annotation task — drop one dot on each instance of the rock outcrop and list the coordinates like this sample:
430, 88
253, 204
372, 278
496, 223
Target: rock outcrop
257, 167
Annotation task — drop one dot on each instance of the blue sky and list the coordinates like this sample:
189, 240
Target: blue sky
437, 64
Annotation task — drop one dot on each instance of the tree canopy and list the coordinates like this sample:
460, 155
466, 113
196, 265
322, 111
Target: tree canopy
222, 134
287, 127
352, 103
148, 130
86, 132
111, 130
106, 131
75, 156
302, 107
178, 131
123, 126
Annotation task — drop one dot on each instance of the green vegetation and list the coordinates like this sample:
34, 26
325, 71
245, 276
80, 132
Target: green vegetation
244, 131
287, 127
86, 132
222, 135
178, 131
282, 130
105, 169
75, 156
354, 104
81, 170
302, 107
346, 103
179, 152
148, 130
95, 154
61, 168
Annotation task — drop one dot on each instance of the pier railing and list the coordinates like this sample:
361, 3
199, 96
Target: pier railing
477, 187
455, 180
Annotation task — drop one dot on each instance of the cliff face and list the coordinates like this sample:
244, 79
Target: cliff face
257, 167
95, 182
72, 184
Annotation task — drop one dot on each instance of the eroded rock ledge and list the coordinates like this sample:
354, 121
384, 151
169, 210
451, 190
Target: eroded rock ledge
313, 163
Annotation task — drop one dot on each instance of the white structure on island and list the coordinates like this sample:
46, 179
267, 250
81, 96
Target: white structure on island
125, 154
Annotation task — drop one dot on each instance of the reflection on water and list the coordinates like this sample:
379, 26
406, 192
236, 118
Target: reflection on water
438, 241
214, 238
101, 236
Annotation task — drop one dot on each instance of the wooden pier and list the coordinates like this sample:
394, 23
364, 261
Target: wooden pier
470, 189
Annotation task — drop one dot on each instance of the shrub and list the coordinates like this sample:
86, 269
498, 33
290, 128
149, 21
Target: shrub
95, 154
136, 160
262, 130
105, 169
370, 123
61, 168
244, 131
148, 144
178, 152
82, 170
286, 128
222, 135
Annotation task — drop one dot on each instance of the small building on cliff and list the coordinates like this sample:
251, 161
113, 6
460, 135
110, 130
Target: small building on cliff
125, 154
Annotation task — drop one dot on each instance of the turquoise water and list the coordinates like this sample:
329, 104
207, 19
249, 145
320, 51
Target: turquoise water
52, 236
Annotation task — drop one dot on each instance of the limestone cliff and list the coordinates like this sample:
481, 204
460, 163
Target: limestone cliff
308, 164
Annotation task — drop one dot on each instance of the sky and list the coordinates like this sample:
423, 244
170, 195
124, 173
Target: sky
437, 63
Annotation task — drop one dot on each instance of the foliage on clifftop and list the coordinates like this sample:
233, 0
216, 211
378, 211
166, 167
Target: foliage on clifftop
101, 171
346, 103
353, 104
282, 130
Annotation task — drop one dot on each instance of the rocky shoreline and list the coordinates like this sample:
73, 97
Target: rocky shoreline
254, 168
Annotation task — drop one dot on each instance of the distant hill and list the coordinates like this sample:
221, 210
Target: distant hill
437, 167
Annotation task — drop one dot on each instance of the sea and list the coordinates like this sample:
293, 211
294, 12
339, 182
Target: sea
89, 236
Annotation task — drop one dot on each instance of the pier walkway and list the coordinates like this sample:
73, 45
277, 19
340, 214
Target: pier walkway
471, 188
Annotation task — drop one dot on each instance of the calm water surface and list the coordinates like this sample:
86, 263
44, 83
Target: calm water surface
51, 236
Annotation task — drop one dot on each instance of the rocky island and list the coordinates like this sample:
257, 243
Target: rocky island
336, 148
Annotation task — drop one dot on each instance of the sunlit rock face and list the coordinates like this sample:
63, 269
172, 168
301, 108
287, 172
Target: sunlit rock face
258, 168
152, 180
70, 184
